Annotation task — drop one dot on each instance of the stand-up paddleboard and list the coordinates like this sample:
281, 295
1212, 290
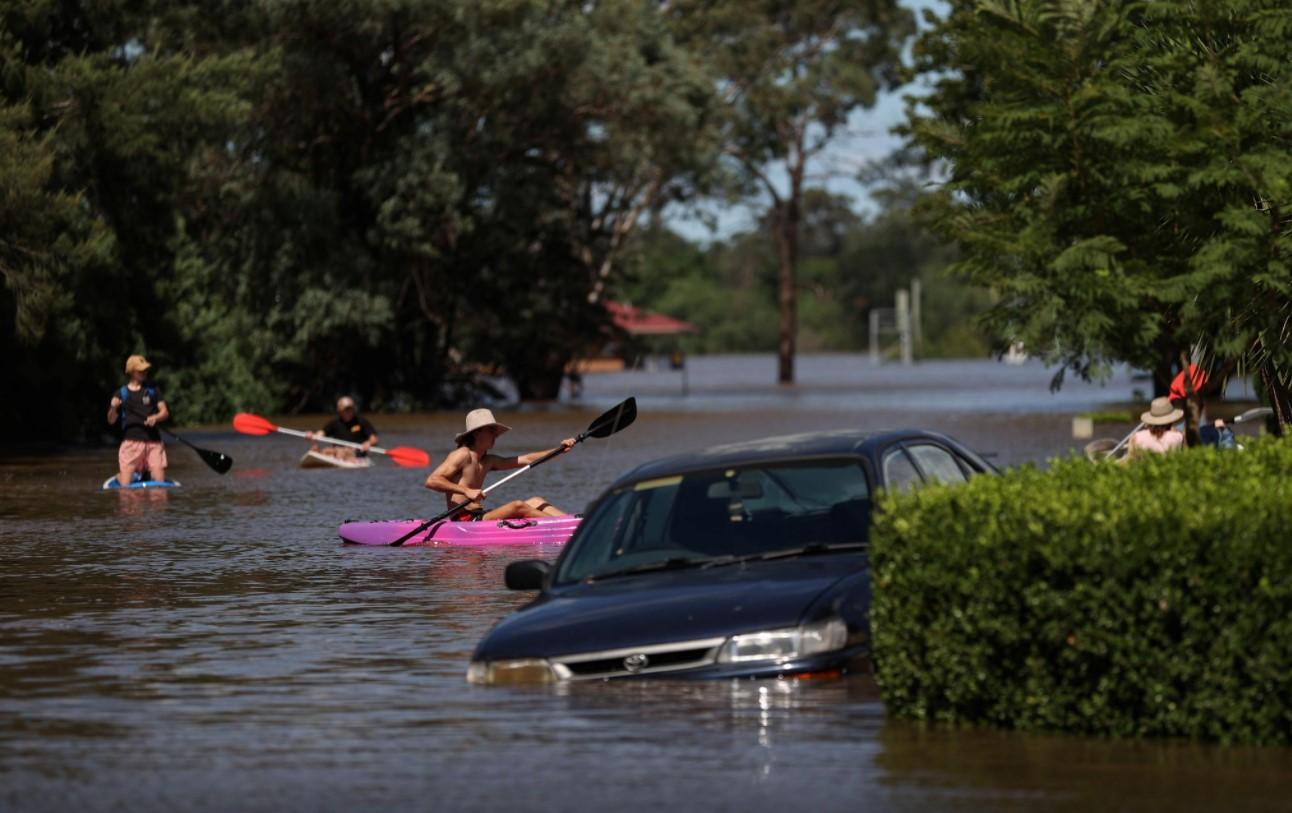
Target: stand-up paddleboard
542, 531
112, 484
318, 460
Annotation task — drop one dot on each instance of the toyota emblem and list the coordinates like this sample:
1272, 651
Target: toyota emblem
636, 662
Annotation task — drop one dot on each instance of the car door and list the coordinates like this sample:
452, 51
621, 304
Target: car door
912, 463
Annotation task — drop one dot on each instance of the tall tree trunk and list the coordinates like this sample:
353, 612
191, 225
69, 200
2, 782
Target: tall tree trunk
786, 284
1280, 396
786, 301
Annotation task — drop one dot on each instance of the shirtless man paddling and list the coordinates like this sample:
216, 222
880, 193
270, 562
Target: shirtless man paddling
460, 477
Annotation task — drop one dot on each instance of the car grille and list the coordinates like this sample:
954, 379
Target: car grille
645, 660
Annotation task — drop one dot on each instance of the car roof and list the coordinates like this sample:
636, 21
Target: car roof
839, 442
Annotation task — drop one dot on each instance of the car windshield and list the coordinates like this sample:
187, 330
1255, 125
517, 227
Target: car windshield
723, 515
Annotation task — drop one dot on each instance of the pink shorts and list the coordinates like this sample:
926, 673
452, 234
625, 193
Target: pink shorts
138, 455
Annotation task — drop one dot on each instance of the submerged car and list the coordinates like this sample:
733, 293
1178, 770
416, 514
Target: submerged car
742, 560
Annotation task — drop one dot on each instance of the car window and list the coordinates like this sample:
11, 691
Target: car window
900, 473
938, 464
737, 511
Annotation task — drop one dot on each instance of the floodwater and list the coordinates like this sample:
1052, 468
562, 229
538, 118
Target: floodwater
215, 648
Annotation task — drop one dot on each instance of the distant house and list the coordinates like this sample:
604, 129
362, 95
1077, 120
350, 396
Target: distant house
638, 322
635, 334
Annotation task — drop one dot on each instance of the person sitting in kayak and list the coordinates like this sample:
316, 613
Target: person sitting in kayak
137, 408
347, 425
460, 477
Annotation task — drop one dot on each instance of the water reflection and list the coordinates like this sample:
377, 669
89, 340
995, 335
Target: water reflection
134, 502
1071, 773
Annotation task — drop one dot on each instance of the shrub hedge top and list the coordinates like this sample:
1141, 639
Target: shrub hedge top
1153, 599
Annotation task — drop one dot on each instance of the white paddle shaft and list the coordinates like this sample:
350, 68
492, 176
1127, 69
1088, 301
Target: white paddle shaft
324, 438
1115, 449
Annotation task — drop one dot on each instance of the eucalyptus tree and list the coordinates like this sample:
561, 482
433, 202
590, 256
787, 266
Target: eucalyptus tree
1117, 174
790, 73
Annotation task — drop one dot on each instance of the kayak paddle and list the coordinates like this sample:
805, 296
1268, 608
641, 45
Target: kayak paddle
409, 456
219, 461
616, 418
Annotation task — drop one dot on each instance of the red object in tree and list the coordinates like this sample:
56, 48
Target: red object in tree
1197, 376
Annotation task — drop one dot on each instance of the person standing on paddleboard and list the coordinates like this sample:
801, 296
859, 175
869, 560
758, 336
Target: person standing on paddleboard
347, 425
138, 408
460, 477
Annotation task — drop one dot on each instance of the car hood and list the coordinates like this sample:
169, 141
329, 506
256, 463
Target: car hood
667, 606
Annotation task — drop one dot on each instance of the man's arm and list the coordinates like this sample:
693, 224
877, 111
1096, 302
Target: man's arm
371, 440
114, 407
444, 478
160, 415
532, 457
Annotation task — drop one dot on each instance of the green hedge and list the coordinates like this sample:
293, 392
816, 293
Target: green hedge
1153, 599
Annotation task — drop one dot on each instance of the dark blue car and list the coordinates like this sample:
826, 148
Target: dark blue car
742, 560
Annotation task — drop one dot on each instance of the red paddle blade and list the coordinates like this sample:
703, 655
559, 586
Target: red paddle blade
408, 456
249, 424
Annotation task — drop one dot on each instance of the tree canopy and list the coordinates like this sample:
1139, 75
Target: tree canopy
1118, 174
282, 202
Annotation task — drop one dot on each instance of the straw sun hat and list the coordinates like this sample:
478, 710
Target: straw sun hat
478, 419
1161, 413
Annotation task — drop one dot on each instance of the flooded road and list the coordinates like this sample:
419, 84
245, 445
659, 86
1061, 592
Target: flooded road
215, 648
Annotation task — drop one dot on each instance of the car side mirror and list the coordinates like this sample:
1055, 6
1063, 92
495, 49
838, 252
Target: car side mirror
527, 574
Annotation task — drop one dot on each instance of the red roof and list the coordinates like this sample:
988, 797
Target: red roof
638, 322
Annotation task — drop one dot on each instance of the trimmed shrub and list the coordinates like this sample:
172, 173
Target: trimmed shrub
1153, 599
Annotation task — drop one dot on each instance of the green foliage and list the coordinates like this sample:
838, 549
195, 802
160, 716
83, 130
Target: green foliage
1153, 599
282, 202
850, 265
102, 125
1117, 174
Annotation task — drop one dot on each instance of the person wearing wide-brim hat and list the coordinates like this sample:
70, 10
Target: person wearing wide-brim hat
1158, 435
347, 425
137, 408
460, 477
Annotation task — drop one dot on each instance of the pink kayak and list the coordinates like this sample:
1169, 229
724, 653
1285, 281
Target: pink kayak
544, 531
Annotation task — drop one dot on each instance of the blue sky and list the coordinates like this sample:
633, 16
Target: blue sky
866, 139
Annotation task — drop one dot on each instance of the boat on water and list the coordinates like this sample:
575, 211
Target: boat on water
541, 531
112, 484
314, 459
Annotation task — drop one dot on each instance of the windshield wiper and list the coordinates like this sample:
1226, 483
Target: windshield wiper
785, 553
675, 563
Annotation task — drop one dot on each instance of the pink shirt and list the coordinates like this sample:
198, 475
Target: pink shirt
1145, 441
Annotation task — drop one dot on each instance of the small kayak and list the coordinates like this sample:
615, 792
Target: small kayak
112, 484
319, 460
543, 531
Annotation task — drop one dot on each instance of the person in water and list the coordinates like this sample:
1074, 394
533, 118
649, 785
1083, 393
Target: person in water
347, 425
137, 408
460, 477
1158, 435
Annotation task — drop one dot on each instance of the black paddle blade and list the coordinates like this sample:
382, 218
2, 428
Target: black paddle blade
218, 461
618, 417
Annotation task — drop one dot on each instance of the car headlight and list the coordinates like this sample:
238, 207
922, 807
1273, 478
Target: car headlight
512, 672
786, 644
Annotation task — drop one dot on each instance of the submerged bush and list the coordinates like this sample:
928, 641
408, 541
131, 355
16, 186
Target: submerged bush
1146, 600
